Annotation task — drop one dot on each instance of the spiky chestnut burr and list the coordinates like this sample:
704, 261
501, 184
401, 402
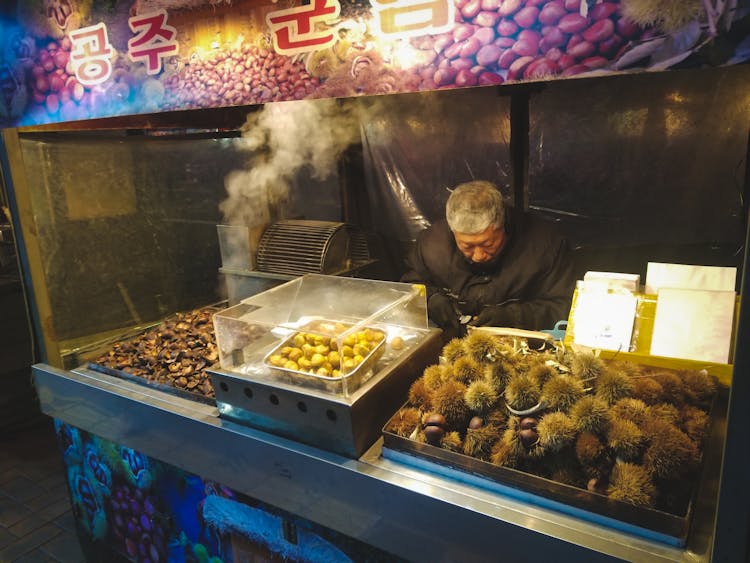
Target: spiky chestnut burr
555, 429
634, 410
699, 385
404, 422
631, 483
480, 396
625, 439
453, 350
666, 16
497, 416
499, 372
694, 422
590, 414
612, 385
564, 468
521, 392
666, 412
671, 453
648, 390
452, 442
542, 373
508, 451
481, 347
479, 441
561, 392
589, 449
674, 390
629, 368
525, 363
585, 365
420, 395
465, 370
433, 376
448, 399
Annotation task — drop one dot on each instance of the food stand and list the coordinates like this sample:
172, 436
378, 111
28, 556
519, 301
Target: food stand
118, 217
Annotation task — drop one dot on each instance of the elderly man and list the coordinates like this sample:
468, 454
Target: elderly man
481, 269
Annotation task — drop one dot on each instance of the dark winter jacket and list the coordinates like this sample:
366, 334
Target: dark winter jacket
530, 284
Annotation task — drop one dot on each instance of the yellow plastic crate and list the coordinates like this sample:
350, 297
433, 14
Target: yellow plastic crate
641, 341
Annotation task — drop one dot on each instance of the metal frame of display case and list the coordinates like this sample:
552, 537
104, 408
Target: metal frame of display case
410, 512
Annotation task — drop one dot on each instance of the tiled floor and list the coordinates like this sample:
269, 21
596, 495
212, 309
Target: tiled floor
36, 523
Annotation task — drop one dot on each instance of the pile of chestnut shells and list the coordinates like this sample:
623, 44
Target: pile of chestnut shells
176, 352
498, 40
631, 432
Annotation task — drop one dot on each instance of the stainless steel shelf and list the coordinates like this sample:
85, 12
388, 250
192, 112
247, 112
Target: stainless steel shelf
402, 509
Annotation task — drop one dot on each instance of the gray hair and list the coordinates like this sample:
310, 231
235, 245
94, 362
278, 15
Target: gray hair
474, 206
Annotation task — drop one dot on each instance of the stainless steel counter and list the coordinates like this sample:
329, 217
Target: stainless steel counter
408, 511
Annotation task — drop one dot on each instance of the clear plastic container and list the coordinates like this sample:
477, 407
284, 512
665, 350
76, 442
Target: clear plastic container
327, 333
235, 247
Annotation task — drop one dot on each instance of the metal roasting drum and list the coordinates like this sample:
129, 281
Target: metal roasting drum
298, 247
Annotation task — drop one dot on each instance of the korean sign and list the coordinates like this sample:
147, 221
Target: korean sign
84, 60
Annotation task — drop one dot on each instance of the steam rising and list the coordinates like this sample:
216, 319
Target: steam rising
288, 141
283, 138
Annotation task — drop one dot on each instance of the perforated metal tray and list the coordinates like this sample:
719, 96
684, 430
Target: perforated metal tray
352, 380
651, 523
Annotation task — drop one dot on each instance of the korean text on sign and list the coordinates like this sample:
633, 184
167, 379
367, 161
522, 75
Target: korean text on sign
296, 30
409, 18
154, 40
91, 54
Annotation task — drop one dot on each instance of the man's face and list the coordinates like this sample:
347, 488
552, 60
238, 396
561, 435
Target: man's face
481, 247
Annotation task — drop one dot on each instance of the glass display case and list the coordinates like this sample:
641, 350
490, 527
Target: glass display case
125, 225
322, 358
321, 332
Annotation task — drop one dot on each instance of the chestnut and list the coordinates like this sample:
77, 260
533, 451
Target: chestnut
596, 485
434, 435
436, 419
528, 422
476, 422
528, 437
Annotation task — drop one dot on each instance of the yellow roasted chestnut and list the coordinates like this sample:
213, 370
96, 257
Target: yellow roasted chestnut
334, 358
317, 360
277, 360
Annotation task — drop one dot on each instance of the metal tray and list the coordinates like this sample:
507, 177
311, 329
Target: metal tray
87, 356
170, 389
352, 380
647, 522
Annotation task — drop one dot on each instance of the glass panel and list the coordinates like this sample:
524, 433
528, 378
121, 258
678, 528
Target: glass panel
644, 168
127, 224
320, 332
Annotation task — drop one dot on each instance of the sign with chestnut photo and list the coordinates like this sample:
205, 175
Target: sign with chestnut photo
67, 60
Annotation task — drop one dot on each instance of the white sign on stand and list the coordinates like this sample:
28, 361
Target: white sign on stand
693, 324
715, 278
604, 319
